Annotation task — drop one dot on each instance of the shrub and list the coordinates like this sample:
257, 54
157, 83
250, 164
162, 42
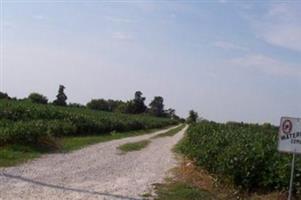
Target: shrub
76, 105
25, 122
98, 104
4, 95
38, 98
245, 154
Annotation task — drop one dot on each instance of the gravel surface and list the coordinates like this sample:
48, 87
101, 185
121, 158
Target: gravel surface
99, 171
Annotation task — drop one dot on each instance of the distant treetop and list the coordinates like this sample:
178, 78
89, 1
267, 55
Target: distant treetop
61, 97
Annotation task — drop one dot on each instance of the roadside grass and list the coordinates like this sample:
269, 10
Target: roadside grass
181, 191
170, 133
15, 154
77, 142
134, 146
187, 183
190, 182
193, 183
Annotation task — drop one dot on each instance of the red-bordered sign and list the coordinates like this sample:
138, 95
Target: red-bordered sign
287, 126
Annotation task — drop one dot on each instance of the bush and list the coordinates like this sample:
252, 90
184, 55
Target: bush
242, 153
23, 132
98, 104
38, 98
76, 105
4, 96
25, 122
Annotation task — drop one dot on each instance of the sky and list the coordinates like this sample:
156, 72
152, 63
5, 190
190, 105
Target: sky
229, 60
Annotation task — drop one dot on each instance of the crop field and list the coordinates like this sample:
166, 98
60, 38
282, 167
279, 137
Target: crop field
243, 154
22, 122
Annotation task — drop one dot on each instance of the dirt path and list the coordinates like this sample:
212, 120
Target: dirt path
96, 172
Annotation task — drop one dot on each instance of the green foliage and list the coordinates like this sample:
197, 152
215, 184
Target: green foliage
193, 116
61, 97
27, 123
157, 106
76, 105
114, 104
14, 154
171, 132
134, 106
181, 191
98, 104
121, 108
244, 154
4, 95
138, 102
171, 113
38, 98
107, 105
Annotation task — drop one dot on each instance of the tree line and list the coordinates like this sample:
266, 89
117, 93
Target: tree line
134, 106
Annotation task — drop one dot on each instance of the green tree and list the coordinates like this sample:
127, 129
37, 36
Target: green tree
157, 106
61, 97
130, 107
38, 98
76, 105
139, 106
98, 104
136, 106
114, 104
121, 107
4, 95
171, 113
193, 116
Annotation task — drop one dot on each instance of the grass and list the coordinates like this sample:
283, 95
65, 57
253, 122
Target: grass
11, 155
181, 191
15, 154
193, 183
190, 182
170, 133
78, 142
134, 146
187, 183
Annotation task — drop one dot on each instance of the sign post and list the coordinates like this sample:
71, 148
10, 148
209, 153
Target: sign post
290, 142
292, 177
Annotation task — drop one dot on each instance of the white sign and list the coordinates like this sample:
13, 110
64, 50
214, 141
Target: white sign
290, 135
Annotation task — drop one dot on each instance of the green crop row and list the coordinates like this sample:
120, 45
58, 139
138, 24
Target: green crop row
25, 122
243, 154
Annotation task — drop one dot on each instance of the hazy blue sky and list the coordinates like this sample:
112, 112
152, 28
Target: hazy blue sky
229, 60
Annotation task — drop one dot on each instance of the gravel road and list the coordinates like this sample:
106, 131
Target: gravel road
99, 171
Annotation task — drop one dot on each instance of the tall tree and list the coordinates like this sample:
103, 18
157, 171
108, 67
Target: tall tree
193, 116
157, 106
61, 97
139, 106
136, 106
